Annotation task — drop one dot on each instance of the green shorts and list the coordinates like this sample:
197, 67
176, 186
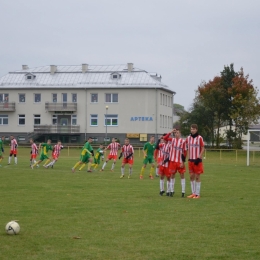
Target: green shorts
43, 157
148, 159
84, 158
96, 161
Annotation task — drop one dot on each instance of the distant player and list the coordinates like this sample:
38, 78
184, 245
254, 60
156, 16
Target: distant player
85, 155
55, 154
2, 148
113, 147
13, 150
127, 152
158, 155
46, 147
34, 152
177, 159
148, 151
196, 149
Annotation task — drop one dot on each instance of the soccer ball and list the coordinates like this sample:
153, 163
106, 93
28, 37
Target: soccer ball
12, 228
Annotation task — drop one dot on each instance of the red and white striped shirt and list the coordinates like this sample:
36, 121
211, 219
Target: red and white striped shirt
194, 146
114, 147
127, 150
56, 149
165, 150
14, 144
34, 149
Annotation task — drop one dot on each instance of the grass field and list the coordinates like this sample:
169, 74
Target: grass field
99, 216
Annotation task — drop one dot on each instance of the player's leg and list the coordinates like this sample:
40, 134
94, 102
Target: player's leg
113, 164
192, 179
1, 157
182, 184
105, 163
89, 164
82, 166
151, 169
130, 163
122, 170
37, 163
81, 160
198, 172
10, 157
145, 161
161, 173
15, 158
172, 182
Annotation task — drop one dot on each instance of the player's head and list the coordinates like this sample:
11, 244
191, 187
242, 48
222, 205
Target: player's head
49, 141
3, 138
90, 139
101, 146
31, 141
11, 137
177, 133
194, 129
113, 140
152, 139
59, 142
126, 141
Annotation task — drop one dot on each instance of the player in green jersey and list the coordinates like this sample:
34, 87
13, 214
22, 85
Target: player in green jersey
46, 147
2, 148
85, 155
148, 151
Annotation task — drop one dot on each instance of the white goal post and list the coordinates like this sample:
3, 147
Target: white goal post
248, 140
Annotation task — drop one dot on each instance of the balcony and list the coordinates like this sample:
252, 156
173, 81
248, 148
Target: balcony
56, 129
7, 106
61, 107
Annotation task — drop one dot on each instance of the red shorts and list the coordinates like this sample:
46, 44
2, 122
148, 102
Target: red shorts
55, 156
112, 157
159, 160
164, 171
129, 161
33, 156
14, 152
197, 169
176, 167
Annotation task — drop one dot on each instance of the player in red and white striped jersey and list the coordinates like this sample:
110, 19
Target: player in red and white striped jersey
127, 151
113, 147
177, 158
55, 154
13, 150
158, 155
34, 152
195, 146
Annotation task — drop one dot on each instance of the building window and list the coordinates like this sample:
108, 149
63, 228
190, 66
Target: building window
160, 98
64, 97
37, 119
4, 97
111, 120
21, 98
112, 98
37, 98
74, 98
93, 120
74, 120
54, 120
54, 98
21, 119
3, 119
160, 120
94, 98
169, 103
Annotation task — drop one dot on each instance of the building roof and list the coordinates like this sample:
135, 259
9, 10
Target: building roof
96, 76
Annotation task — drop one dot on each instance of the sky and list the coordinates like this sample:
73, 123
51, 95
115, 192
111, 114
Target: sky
185, 41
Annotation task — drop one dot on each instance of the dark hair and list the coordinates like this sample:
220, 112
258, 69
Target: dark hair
195, 126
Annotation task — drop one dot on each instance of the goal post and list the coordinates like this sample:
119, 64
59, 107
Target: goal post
257, 131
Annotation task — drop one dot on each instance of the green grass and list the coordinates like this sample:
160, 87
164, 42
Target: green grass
126, 218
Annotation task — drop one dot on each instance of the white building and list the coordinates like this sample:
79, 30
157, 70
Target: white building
72, 102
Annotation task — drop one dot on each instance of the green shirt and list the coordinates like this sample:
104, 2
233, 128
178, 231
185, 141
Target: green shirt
149, 148
99, 153
88, 146
45, 148
1, 145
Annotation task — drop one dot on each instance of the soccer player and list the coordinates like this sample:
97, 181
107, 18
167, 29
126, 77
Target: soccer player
13, 150
148, 151
85, 155
34, 152
114, 146
1, 148
195, 151
46, 147
55, 154
158, 155
177, 159
127, 152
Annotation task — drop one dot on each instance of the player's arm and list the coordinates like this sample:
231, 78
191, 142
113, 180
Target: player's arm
144, 150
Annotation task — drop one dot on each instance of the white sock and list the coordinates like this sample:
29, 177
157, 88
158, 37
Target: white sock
168, 186
161, 185
172, 182
183, 185
197, 192
192, 184
34, 161
113, 165
130, 171
122, 170
156, 171
104, 165
15, 160
9, 159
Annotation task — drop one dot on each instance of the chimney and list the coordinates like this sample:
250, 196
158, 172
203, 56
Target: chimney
53, 69
130, 67
84, 68
25, 67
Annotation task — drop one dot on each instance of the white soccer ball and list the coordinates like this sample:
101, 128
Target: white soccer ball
12, 228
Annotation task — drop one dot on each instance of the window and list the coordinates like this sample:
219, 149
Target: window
21, 119
21, 98
54, 98
115, 75
169, 104
94, 98
111, 98
4, 97
3, 119
161, 98
29, 77
37, 119
54, 119
74, 98
93, 120
111, 120
64, 97
37, 98
160, 120
74, 120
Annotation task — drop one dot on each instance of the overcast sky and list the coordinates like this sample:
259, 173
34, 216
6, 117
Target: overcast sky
186, 41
